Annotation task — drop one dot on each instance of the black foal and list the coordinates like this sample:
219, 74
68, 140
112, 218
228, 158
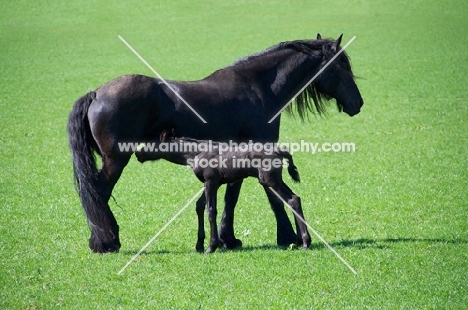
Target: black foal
215, 165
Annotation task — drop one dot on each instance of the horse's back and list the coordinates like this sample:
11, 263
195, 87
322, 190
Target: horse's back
126, 88
124, 110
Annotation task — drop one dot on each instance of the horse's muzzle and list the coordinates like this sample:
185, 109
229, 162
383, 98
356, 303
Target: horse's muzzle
355, 109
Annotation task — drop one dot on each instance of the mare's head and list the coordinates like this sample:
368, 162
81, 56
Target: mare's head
337, 79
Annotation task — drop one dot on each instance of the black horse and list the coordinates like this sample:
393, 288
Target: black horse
215, 166
237, 102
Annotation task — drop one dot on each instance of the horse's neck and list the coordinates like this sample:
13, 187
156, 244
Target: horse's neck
178, 158
293, 74
181, 156
289, 70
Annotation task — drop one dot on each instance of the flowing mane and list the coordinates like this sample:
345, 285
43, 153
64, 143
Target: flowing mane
310, 99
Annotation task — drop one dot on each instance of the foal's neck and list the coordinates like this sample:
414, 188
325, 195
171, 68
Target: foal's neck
179, 158
183, 152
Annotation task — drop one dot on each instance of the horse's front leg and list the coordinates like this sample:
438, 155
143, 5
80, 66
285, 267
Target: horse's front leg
200, 208
211, 189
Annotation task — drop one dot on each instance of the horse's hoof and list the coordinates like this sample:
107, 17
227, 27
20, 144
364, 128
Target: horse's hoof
211, 249
304, 243
285, 241
103, 247
199, 248
231, 244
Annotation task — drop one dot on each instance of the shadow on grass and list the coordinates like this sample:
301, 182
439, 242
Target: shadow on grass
360, 244
150, 252
365, 243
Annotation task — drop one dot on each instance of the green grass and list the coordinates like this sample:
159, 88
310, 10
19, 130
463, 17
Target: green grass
396, 209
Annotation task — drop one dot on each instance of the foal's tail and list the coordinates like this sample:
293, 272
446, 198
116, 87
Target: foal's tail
292, 169
83, 146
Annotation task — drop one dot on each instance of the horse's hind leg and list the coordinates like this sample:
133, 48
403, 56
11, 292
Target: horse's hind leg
295, 202
211, 190
226, 231
109, 174
285, 234
200, 208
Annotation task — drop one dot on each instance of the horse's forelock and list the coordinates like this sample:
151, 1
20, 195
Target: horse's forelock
343, 59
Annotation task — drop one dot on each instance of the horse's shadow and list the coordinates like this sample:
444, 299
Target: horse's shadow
360, 244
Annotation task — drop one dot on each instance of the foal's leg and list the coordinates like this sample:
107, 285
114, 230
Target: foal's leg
211, 189
201, 229
285, 234
226, 230
295, 202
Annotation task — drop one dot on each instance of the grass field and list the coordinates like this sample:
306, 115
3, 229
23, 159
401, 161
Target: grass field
396, 209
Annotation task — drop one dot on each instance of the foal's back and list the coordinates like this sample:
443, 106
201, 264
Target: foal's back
216, 161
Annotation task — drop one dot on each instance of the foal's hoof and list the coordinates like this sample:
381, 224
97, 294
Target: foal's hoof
306, 241
210, 250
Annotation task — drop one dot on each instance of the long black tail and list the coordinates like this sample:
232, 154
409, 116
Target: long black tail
292, 169
83, 147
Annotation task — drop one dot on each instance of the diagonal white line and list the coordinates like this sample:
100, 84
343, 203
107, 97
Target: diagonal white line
312, 79
315, 233
162, 79
160, 231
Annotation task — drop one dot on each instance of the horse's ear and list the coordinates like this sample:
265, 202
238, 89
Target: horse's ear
319, 37
336, 44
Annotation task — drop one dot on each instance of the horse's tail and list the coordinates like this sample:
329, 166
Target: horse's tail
83, 147
292, 169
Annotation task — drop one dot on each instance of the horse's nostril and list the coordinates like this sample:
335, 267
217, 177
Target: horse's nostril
362, 102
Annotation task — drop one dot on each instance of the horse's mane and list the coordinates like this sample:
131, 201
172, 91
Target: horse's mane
310, 99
